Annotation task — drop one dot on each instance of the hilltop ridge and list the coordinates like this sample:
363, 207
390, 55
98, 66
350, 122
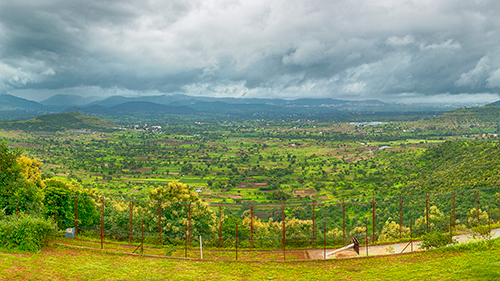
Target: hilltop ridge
489, 113
58, 122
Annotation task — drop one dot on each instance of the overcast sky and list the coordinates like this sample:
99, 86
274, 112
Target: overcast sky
391, 50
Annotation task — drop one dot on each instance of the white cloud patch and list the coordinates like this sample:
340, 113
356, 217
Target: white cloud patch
494, 80
486, 73
11, 77
448, 45
477, 75
357, 87
400, 41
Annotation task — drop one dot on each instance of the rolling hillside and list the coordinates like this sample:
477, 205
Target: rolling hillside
58, 122
487, 114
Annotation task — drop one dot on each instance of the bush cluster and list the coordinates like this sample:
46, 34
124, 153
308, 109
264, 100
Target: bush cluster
436, 240
25, 232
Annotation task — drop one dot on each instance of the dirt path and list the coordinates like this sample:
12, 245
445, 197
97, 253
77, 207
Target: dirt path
389, 249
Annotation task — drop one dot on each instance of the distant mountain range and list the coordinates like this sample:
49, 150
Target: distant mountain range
65, 101
10, 103
184, 104
132, 107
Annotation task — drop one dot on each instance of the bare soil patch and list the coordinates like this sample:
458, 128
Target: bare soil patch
142, 170
304, 193
249, 185
22, 144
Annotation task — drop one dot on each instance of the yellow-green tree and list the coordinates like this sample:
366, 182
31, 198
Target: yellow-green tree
20, 182
391, 231
177, 201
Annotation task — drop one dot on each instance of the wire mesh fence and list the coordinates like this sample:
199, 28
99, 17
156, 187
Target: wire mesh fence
272, 231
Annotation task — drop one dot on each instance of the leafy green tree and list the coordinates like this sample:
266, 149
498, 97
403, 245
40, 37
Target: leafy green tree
176, 201
20, 182
278, 195
437, 220
60, 199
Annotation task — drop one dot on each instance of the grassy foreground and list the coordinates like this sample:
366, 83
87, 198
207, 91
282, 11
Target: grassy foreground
473, 261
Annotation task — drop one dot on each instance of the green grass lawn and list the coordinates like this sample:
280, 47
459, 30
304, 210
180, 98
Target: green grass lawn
475, 261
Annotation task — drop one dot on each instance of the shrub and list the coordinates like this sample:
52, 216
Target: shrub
482, 231
436, 240
25, 232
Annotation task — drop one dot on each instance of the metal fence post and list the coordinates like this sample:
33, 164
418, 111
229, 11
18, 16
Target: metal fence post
452, 214
343, 221
400, 216
159, 222
185, 240
499, 204
236, 244
55, 221
427, 211
373, 218
366, 235
251, 225
489, 219
142, 237
411, 233
451, 233
477, 208
102, 222
189, 222
131, 220
314, 222
201, 248
76, 216
283, 227
220, 226
324, 239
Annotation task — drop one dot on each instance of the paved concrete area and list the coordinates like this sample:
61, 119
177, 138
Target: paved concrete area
389, 249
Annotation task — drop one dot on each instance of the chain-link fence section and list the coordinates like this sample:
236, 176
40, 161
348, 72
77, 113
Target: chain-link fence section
278, 231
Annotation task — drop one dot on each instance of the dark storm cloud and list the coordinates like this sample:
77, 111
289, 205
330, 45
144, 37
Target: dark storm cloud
359, 49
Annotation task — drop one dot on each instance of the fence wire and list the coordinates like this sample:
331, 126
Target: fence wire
268, 231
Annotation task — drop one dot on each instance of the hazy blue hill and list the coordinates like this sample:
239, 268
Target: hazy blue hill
10, 102
226, 108
149, 107
489, 113
132, 107
168, 99
87, 109
242, 100
111, 101
58, 122
66, 100
158, 99
328, 101
186, 100
184, 104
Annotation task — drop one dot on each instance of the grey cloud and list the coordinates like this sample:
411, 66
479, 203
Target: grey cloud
294, 48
